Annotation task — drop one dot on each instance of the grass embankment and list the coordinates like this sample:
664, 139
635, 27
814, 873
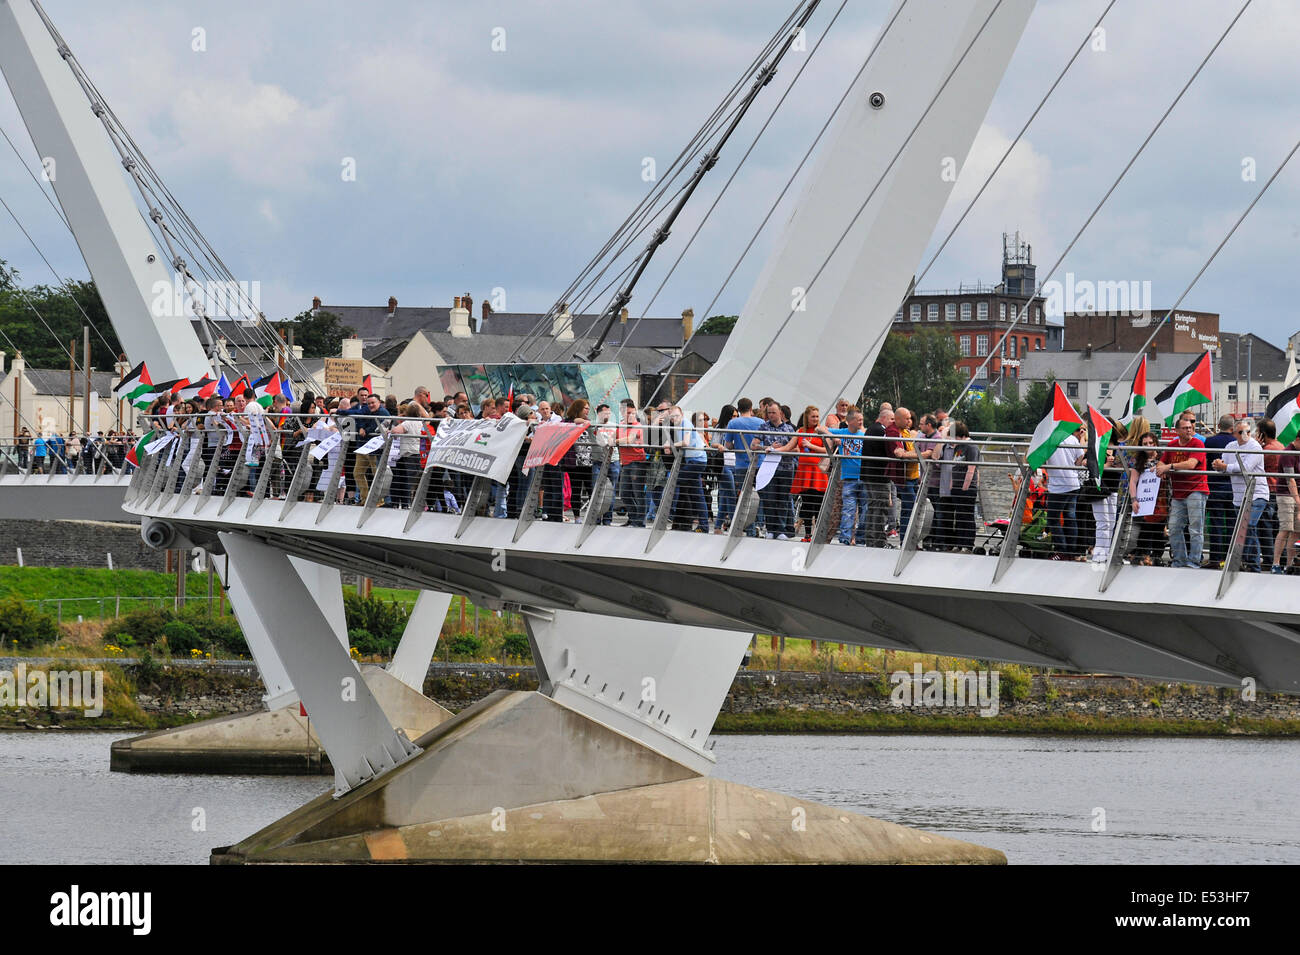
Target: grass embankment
93, 583
121, 711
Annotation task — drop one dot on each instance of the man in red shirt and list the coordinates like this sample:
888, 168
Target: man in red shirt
1185, 465
630, 438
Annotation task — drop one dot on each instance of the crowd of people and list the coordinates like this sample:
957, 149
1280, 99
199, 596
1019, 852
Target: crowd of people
51, 452
1185, 497
1068, 515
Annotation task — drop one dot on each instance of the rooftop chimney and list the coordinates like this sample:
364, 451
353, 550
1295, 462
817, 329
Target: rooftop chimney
315, 304
352, 347
487, 309
622, 316
562, 324
688, 324
1153, 351
392, 306
1087, 350
459, 319
468, 301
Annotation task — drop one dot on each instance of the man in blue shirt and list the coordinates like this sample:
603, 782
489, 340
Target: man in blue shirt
38, 454
740, 431
58, 453
848, 442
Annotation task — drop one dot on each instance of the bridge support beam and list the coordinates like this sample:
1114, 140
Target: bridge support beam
662, 684
351, 724
324, 583
420, 638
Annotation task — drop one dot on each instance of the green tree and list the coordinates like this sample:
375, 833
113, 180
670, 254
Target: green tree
42, 320
918, 371
718, 325
320, 335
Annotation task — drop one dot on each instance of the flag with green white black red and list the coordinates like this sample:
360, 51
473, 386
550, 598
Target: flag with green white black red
1099, 434
1285, 412
1059, 421
142, 399
265, 389
134, 382
199, 390
1137, 396
1195, 386
136, 453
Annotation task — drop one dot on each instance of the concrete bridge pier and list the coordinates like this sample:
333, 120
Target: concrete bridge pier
281, 738
607, 762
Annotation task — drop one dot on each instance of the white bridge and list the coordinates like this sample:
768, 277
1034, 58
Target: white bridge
639, 631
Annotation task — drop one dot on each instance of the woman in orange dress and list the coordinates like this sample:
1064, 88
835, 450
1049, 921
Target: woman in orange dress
809, 483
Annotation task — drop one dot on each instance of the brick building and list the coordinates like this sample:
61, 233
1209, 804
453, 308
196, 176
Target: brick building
978, 316
1186, 332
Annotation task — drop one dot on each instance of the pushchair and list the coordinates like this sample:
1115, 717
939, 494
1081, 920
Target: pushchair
1033, 528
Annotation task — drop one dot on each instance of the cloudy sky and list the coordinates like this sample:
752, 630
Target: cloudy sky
478, 169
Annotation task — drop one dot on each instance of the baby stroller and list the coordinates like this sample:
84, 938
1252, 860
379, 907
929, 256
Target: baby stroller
1033, 528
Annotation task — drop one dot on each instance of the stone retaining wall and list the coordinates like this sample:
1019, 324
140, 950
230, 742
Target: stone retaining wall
457, 685
77, 544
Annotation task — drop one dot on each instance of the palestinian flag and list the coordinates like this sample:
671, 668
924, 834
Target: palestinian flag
1285, 412
1137, 398
143, 399
137, 452
368, 385
133, 382
1060, 420
1195, 386
265, 389
1099, 434
240, 386
199, 390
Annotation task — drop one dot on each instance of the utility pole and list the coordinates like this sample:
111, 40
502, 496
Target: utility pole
1250, 342
1238, 371
18, 397
72, 386
85, 364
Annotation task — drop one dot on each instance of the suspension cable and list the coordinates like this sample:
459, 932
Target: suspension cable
853, 221
730, 179
1092, 215
679, 164
789, 182
1196, 278
984, 186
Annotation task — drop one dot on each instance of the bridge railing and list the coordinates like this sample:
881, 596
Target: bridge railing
98, 459
919, 492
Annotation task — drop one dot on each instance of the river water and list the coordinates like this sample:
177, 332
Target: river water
1164, 800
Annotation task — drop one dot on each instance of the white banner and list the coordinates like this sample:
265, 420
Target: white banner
481, 448
157, 444
765, 470
327, 445
257, 437
188, 462
1148, 490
